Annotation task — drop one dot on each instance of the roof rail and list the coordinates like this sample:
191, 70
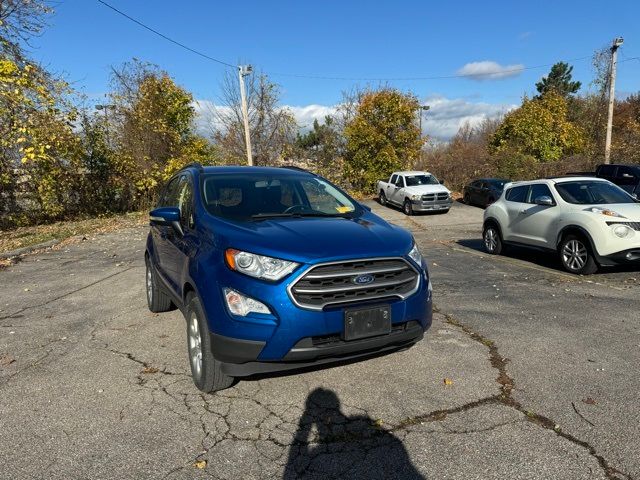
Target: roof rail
299, 169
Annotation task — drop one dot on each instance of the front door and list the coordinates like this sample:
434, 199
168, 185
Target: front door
537, 225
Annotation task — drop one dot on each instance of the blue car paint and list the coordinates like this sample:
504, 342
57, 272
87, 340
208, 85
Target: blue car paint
196, 262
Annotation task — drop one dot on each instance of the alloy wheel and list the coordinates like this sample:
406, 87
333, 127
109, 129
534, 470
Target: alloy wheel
574, 255
149, 284
490, 239
195, 345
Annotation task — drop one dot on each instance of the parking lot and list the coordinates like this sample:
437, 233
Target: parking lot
527, 372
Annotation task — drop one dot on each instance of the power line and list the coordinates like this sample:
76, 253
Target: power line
182, 45
330, 77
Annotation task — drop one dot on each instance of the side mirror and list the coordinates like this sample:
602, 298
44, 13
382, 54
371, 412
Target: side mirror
544, 200
167, 217
441, 182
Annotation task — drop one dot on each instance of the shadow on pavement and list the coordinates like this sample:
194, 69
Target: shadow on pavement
329, 444
541, 258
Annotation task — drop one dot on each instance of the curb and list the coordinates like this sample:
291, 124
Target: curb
24, 250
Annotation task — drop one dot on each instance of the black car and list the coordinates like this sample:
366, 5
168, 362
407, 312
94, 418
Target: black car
626, 177
484, 191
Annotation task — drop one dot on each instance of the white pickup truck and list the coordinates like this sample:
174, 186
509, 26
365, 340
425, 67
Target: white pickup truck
415, 192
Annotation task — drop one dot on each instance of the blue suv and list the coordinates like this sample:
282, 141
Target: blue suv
277, 269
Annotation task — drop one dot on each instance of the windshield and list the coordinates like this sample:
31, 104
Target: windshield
255, 196
499, 184
588, 192
414, 180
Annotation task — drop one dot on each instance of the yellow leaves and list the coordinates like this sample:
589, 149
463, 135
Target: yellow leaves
448, 382
200, 464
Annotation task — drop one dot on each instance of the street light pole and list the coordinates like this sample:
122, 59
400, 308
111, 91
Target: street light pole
243, 71
612, 88
422, 108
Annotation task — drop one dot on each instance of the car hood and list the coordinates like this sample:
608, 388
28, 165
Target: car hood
629, 210
422, 189
311, 239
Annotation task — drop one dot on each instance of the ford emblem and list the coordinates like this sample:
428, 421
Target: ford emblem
363, 279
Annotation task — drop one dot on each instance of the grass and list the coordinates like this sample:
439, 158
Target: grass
28, 236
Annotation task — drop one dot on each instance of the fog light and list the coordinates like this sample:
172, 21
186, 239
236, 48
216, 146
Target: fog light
239, 304
622, 231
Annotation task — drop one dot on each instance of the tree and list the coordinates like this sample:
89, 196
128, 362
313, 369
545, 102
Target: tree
540, 128
272, 128
153, 128
382, 137
20, 20
559, 81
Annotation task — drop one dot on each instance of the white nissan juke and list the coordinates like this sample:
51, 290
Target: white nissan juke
588, 221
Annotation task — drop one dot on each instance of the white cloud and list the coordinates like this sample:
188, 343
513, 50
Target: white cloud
447, 115
488, 70
440, 122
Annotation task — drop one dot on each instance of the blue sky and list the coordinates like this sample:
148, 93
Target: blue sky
352, 39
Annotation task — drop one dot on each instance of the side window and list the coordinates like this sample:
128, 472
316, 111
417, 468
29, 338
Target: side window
400, 181
538, 190
518, 194
475, 184
607, 170
185, 201
169, 197
393, 179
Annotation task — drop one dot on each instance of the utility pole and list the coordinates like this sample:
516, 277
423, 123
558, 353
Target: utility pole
243, 71
612, 87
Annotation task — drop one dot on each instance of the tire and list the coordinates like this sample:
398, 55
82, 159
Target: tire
576, 255
157, 300
467, 199
382, 198
206, 371
492, 240
407, 208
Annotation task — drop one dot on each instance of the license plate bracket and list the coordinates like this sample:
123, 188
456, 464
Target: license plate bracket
367, 322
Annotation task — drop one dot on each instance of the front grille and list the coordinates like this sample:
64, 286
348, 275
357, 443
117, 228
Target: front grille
634, 225
334, 283
432, 197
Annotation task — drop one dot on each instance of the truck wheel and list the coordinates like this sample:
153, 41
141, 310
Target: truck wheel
492, 240
205, 369
157, 300
576, 255
407, 208
382, 198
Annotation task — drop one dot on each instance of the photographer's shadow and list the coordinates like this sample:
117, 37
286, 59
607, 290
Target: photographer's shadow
329, 444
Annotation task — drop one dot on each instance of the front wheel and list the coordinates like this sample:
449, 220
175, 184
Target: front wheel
407, 208
576, 256
205, 369
382, 198
492, 240
157, 300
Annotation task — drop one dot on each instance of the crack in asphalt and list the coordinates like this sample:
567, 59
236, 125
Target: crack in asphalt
211, 414
505, 398
60, 297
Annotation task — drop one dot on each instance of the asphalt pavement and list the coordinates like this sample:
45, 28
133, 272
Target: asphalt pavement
526, 373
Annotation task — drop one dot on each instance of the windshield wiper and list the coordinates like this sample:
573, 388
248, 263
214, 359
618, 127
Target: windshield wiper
262, 216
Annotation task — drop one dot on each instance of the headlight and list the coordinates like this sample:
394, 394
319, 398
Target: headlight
415, 255
606, 211
258, 266
416, 197
239, 304
622, 231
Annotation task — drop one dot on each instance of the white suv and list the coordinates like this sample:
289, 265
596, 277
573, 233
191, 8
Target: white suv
587, 221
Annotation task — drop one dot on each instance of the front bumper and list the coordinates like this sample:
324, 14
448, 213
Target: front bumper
630, 256
295, 337
244, 361
422, 206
